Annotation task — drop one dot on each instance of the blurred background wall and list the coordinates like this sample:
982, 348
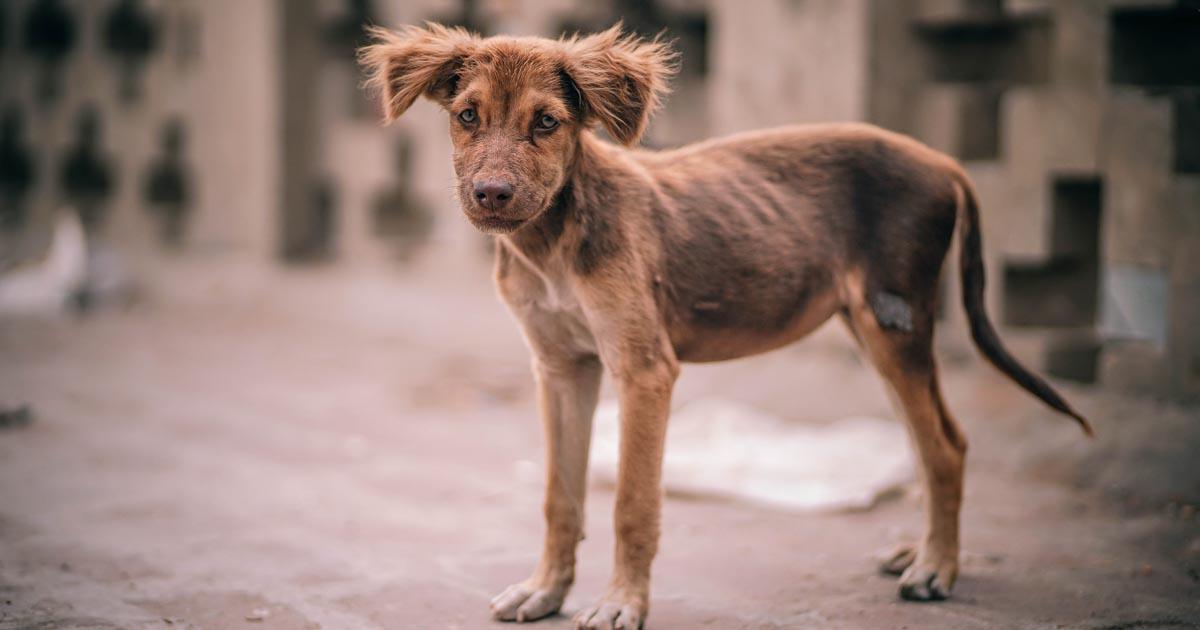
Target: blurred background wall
236, 129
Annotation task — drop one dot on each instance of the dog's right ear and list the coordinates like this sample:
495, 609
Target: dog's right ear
413, 61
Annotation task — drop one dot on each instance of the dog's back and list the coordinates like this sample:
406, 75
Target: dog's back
758, 230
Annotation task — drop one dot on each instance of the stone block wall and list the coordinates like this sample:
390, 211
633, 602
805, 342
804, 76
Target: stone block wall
1078, 120
139, 115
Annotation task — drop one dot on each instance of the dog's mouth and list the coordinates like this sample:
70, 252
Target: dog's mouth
492, 224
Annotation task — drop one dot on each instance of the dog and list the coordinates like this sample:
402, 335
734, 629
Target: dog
629, 261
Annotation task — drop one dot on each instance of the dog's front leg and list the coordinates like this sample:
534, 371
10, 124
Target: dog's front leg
567, 392
645, 376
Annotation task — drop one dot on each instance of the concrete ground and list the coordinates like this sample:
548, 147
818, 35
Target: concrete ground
358, 449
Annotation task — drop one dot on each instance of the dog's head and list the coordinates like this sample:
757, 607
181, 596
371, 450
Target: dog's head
517, 105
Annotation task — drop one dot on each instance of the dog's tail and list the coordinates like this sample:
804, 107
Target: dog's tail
982, 332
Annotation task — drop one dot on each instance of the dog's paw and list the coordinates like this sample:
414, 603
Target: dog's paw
928, 581
614, 612
522, 602
896, 560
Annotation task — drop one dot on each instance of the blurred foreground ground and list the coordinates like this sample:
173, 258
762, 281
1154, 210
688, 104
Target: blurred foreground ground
353, 449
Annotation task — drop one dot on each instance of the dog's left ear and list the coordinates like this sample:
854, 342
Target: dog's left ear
415, 61
621, 79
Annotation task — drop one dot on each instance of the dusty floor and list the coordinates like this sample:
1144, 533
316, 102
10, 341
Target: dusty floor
338, 449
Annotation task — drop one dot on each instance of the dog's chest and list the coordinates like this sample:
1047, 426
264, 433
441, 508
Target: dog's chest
543, 300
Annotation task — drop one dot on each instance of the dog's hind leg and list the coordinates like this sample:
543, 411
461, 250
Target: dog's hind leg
903, 355
567, 391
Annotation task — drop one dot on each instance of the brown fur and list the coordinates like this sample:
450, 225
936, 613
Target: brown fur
636, 261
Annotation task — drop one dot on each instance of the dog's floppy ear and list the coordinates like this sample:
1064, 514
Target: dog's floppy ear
621, 79
413, 61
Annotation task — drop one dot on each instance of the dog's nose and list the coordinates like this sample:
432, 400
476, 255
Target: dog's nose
493, 194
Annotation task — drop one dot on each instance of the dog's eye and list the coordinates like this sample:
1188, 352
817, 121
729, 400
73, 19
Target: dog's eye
467, 116
547, 122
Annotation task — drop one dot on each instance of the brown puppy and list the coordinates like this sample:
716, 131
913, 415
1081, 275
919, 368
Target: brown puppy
632, 261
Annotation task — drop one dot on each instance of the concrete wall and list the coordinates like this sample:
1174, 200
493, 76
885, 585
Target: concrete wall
1073, 117
788, 62
214, 69
1089, 207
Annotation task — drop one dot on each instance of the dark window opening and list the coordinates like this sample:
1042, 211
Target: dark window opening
1187, 132
1062, 291
1155, 48
987, 49
1073, 358
980, 125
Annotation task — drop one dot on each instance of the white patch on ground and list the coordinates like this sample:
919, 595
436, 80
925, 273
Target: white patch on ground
717, 448
42, 288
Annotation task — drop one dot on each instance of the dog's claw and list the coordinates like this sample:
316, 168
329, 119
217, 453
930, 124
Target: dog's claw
540, 604
610, 615
924, 583
522, 603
